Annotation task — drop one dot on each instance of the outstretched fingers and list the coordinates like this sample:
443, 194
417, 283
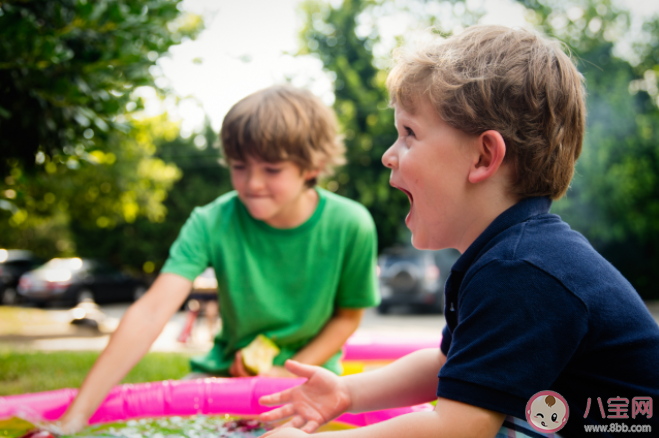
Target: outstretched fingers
278, 414
278, 398
300, 369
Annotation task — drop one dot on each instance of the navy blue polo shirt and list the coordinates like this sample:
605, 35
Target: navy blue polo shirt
531, 306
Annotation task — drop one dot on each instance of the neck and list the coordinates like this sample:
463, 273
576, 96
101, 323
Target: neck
487, 206
297, 212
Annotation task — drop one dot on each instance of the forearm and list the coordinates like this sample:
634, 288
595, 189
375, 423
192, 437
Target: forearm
417, 425
122, 353
331, 338
449, 420
409, 381
138, 329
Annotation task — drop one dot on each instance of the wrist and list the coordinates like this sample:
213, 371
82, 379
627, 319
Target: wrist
74, 421
346, 388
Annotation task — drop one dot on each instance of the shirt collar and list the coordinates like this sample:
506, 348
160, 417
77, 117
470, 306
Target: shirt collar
518, 213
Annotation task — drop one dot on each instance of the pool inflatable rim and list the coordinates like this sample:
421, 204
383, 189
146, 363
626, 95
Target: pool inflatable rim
210, 396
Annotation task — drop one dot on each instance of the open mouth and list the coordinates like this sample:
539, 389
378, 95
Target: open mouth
409, 195
408, 219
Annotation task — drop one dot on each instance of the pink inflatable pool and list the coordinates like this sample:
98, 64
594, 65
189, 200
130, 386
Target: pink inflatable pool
204, 396
367, 347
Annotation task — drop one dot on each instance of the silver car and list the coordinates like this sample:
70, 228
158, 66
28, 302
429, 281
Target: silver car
74, 280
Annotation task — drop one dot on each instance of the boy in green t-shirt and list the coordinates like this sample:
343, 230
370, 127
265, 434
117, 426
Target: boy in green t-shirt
294, 262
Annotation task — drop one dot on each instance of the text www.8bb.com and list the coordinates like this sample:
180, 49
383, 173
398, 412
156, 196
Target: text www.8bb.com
617, 427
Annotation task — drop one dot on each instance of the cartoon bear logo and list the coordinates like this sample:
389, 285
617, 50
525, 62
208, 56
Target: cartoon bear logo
547, 412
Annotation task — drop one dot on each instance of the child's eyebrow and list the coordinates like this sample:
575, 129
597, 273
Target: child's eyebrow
407, 122
402, 120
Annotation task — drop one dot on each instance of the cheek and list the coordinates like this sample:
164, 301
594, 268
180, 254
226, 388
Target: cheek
235, 180
239, 181
286, 184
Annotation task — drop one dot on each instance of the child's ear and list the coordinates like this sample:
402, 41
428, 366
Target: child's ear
490, 151
310, 174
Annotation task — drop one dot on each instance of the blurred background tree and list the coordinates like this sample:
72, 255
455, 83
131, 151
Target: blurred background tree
68, 67
614, 198
362, 108
144, 243
78, 162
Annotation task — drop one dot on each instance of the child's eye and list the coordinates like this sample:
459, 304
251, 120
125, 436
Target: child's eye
554, 417
237, 166
409, 131
539, 415
273, 170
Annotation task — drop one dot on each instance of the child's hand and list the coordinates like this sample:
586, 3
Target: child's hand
322, 398
237, 368
70, 423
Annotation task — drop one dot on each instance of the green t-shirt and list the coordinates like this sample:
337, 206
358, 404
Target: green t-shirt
283, 283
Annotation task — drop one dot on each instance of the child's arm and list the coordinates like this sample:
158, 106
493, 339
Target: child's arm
328, 341
408, 381
331, 338
449, 419
139, 328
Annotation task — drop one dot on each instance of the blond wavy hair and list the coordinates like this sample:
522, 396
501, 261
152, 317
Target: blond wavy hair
283, 123
510, 80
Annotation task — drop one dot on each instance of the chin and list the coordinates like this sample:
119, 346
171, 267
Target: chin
419, 242
260, 215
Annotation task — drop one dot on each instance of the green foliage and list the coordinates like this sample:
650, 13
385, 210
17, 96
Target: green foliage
144, 244
613, 199
103, 191
23, 372
68, 67
73, 154
362, 108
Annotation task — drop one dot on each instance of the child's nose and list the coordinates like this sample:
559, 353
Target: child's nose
390, 159
255, 181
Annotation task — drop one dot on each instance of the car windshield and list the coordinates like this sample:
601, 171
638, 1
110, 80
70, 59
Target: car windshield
15, 255
73, 264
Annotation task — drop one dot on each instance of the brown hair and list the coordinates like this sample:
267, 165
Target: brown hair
509, 80
550, 400
282, 123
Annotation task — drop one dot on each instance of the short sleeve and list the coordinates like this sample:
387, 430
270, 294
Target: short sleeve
358, 284
189, 255
517, 329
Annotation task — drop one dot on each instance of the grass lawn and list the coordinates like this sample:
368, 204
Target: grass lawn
34, 371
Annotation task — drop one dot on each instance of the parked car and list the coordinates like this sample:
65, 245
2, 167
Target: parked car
74, 280
413, 278
13, 264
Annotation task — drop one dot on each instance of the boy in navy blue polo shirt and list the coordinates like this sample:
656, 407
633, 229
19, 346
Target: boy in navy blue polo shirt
543, 335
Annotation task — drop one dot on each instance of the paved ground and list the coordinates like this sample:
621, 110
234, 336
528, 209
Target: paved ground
51, 329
